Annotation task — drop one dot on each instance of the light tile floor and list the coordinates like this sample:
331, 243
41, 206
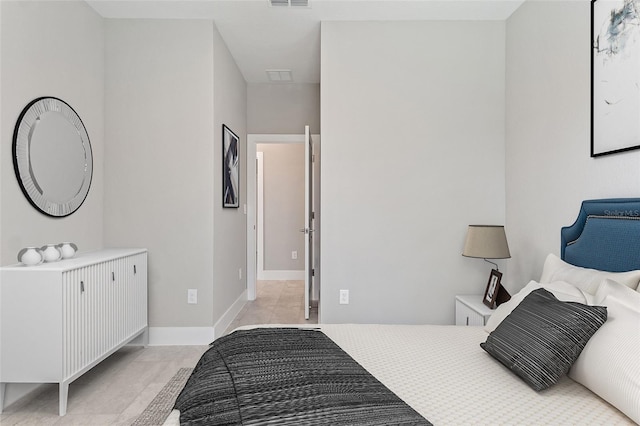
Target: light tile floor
117, 390
114, 392
277, 302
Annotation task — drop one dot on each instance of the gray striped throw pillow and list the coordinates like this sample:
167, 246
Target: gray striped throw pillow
542, 337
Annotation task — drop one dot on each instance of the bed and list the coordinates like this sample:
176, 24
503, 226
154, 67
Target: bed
564, 350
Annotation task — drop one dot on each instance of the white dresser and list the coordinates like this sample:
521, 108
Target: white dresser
58, 320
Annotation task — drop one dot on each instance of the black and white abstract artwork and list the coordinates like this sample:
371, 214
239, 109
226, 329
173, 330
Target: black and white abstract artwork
230, 168
615, 76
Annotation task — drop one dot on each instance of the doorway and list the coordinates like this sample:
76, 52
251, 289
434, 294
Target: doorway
258, 265
280, 195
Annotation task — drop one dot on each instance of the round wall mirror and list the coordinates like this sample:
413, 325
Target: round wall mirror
52, 156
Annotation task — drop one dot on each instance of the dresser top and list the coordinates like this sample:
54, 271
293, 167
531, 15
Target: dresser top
81, 258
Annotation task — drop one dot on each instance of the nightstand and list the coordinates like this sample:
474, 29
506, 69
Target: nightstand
471, 311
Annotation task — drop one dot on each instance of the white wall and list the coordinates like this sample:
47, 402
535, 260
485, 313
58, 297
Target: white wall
283, 108
49, 49
413, 152
549, 170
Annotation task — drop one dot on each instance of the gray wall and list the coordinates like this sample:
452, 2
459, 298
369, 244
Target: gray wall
230, 225
170, 86
283, 108
549, 171
283, 169
412, 153
60, 53
49, 49
159, 159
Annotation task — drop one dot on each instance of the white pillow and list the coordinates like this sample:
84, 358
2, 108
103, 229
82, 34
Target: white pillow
556, 269
608, 364
609, 287
561, 290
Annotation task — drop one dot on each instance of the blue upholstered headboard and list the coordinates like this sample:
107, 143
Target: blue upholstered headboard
605, 236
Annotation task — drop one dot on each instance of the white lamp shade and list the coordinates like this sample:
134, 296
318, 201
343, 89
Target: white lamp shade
487, 242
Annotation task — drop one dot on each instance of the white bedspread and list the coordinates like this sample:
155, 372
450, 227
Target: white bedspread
442, 373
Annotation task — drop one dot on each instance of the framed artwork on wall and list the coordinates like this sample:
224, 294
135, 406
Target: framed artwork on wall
615, 76
230, 169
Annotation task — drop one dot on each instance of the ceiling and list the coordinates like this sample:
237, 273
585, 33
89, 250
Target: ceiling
262, 37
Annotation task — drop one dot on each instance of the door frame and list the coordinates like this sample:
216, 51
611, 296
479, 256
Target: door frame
252, 141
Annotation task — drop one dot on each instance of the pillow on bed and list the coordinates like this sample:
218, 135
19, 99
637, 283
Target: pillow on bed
542, 337
556, 269
561, 290
613, 288
608, 365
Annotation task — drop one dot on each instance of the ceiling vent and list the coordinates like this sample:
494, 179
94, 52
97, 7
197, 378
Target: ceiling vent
280, 76
289, 3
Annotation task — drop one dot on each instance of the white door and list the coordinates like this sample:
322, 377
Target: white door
308, 220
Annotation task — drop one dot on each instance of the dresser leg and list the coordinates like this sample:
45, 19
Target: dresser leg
63, 393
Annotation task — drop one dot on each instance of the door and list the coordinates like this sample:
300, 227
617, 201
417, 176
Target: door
308, 220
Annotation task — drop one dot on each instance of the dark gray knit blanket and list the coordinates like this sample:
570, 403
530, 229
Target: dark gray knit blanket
286, 376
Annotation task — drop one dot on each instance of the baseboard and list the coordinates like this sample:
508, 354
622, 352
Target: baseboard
185, 336
280, 275
227, 318
16, 391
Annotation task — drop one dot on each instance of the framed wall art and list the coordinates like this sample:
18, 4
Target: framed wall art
230, 169
615, 76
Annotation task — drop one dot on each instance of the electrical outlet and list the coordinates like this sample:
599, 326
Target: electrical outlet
294, 255
344, 297
192, 296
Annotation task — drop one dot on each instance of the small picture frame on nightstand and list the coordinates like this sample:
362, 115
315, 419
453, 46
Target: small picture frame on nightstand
491, 292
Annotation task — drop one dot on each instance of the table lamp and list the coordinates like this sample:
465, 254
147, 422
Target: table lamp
489, 242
